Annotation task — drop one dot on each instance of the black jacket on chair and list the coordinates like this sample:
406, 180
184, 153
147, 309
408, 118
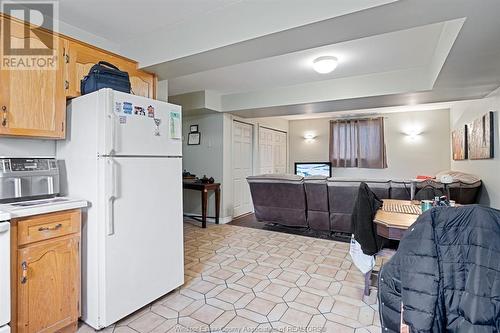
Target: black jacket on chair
446, 273
362, 224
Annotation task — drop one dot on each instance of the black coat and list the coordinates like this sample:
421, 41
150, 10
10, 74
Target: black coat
446, 272
365, 207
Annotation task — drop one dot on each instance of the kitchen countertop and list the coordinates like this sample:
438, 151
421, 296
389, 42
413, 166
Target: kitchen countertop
4, 216
42, 206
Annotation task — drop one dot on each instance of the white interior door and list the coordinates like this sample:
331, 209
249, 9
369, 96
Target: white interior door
279, 152
272, 151
242, 167
143, 257
265, 150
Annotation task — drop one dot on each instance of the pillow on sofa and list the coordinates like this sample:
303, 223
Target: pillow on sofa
459, 176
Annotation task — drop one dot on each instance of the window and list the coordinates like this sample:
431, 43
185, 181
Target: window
357, 143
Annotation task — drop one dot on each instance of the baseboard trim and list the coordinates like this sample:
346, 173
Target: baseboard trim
222, 220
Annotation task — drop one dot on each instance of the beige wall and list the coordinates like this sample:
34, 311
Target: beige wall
464, 112
428, 154
203, 159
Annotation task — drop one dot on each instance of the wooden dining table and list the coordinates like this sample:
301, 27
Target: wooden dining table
393, 222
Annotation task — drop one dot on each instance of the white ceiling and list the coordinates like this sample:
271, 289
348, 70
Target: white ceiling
406, 49
122, 20
252, 56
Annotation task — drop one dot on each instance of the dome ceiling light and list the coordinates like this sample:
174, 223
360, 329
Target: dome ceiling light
325, 64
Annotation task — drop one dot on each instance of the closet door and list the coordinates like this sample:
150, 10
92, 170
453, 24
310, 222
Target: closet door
272, 151
279, 152
242, 167
265, 151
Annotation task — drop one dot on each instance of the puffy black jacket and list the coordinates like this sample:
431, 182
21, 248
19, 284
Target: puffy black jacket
446, 272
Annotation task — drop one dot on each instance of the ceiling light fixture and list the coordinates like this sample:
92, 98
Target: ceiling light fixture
325, 64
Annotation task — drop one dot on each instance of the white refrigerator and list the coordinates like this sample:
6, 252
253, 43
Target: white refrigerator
123, 154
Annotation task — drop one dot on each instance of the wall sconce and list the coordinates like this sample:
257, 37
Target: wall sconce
413, 133
309, 137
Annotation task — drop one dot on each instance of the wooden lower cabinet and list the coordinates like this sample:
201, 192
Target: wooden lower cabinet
46, 276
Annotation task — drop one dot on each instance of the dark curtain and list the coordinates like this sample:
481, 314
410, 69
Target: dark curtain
357, 143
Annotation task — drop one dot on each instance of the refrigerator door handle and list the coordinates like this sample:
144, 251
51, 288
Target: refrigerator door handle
111, 217
113, 188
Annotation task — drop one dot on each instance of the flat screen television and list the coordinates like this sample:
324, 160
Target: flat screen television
313, 169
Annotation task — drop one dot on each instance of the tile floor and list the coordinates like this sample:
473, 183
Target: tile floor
247, 280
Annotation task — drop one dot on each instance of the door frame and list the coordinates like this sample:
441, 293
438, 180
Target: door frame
253, 156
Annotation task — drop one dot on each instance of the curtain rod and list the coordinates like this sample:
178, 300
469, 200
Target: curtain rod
357, 118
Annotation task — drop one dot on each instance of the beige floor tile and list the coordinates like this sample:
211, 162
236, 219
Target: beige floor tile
207, 314
308, 299
276, 289
261, 306
251, 315
332, 327
230, 295
165, 327
122, 329
288, 277
240, 323
193, 325
164, 311
220, 304
248, 281
296, 318
277, 312
147, 323
345, 309
202, 287
319, 284
222, 320
222, 274
178, 302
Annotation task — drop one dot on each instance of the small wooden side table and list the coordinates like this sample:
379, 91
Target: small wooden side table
204, 189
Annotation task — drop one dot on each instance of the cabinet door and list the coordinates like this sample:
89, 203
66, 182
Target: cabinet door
81, 57
49, 285
32, 101
143, 83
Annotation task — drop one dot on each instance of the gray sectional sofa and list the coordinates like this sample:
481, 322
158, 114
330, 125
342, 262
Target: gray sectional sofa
320, 203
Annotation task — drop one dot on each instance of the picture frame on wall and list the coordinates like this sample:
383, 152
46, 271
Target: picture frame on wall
194, 139
481, 137
459, 143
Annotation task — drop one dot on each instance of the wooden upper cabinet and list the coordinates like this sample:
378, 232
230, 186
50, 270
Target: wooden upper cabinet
143, 83
81, 57
49, 285
32, 100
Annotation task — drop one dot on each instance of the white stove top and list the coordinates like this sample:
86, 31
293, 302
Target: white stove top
42, 206
4, 216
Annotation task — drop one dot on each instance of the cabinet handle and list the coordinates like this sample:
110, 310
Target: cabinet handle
57, 226
24, 277
66, 84
4, 117
66, 58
